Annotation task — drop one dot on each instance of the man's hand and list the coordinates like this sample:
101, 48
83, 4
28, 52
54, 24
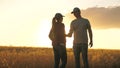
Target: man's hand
91, 44
68, 35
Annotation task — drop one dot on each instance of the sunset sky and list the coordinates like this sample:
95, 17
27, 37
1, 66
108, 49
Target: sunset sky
28, 22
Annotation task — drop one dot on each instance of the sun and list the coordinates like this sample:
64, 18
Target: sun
42, 34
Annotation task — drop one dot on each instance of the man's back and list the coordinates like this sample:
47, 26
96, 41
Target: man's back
79, 27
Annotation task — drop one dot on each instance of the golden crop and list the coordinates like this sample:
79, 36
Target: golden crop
28, 57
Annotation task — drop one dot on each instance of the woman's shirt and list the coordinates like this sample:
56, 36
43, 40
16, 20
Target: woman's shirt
59, 32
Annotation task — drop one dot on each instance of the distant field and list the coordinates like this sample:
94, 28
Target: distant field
28, 57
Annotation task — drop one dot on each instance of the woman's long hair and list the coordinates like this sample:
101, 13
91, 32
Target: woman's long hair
54, 22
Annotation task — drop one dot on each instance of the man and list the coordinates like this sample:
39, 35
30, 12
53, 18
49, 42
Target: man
79, 27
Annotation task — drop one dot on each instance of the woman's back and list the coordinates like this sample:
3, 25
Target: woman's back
59, 32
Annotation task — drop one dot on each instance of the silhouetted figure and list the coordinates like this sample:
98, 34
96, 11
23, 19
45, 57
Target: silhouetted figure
79, 27
57, 35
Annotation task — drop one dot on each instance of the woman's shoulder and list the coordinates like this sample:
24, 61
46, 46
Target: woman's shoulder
63, 24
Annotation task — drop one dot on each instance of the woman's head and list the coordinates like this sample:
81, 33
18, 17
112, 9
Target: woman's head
58, 17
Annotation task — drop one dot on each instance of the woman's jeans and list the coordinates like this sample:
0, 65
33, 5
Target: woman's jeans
81, 48
60, 54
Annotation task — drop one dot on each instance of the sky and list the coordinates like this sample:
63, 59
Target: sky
28, 22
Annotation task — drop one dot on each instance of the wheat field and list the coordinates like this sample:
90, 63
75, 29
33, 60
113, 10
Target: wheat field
33, 57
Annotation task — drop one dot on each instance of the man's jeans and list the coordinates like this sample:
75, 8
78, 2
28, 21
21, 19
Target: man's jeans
81, 48
60, 54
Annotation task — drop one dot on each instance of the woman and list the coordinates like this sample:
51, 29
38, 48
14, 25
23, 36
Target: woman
57, 36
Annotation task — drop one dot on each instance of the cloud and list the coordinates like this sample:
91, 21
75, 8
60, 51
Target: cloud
101, 17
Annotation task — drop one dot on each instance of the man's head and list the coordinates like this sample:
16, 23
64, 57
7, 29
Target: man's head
76, 11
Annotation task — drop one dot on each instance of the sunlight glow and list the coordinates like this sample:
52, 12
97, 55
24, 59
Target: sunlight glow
42, 34
28, 22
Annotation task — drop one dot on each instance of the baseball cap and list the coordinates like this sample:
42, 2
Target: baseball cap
76, 9
58, 15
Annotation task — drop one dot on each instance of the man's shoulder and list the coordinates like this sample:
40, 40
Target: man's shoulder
73, 21
84, 19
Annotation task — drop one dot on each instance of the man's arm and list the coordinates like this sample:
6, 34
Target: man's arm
70, 31
90, 35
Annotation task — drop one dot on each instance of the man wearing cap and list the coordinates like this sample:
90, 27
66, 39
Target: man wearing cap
80, 26
58, 41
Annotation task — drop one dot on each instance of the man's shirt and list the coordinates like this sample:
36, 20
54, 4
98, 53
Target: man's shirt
79, 28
